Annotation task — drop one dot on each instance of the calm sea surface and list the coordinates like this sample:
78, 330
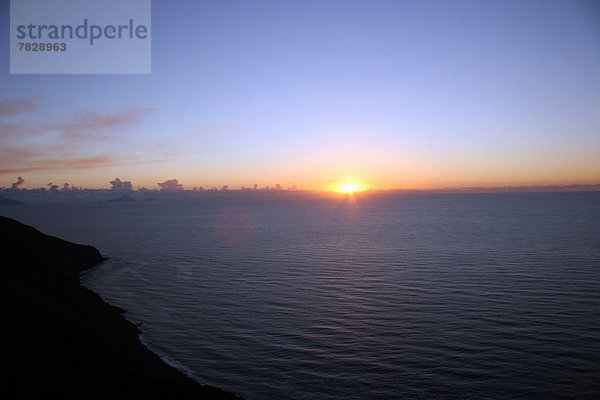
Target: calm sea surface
397, 296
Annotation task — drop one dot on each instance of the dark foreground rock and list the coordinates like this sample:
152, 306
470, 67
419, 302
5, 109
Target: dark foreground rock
59, 338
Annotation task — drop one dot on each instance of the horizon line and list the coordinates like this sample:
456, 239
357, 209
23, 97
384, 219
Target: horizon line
273, 189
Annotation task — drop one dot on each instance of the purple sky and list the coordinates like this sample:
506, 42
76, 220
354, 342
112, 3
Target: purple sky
390, 94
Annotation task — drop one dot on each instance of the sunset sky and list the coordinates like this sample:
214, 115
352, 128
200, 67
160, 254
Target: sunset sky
388, 94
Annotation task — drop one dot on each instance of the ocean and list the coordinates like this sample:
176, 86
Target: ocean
372, 296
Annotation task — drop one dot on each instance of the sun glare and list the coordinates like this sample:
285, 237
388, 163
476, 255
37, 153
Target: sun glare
349, 188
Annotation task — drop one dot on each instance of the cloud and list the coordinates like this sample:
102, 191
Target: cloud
171, 184
19, 131
57, 164
18, 183
16, 105
86, 126
118, 184
88, 162
69, 164
8, 130
91, 121
76, 138
68, 144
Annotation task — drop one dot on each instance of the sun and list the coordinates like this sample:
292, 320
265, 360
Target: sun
349, 188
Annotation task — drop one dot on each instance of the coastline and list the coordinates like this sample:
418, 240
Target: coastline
62, 338
165, 358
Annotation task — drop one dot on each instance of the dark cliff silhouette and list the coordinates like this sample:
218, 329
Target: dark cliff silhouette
59, 338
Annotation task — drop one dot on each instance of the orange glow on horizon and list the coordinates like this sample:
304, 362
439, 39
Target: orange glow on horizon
347, 188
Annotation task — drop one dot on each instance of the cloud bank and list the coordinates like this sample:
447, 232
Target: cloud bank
171, 184
120, 185
18, 183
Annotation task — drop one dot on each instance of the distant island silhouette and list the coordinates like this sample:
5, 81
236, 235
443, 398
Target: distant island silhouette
6, 201
125, 199
60, 338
